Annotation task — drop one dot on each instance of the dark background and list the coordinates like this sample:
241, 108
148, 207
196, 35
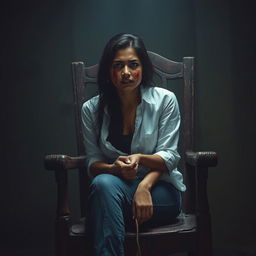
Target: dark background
39, 39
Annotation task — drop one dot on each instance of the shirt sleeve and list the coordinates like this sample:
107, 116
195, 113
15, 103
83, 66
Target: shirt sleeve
168, 134
90, 135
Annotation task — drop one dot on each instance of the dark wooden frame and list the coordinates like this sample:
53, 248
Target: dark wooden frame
192, 232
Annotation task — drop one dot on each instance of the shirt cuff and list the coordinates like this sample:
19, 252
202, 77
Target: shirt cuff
171, 160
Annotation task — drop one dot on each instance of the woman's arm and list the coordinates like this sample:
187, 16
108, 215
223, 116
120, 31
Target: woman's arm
165, 158
150, 161
96, 161
142, 201
121, 167
99, 167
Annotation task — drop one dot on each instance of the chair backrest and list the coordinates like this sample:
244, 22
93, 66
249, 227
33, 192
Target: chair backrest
165, 70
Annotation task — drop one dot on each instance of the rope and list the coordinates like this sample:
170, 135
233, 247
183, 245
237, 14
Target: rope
137, 239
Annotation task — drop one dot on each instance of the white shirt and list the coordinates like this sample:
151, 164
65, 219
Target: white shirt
156, 132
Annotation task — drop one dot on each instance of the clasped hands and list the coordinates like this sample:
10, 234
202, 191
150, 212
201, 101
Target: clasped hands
126, 167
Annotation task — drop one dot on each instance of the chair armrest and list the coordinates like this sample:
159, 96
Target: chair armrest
201, 159
60, 164
57, 162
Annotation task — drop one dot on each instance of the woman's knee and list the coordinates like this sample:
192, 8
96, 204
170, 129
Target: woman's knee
103, 183
166, 194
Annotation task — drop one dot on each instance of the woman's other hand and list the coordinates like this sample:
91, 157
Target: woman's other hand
125, 168
142, 204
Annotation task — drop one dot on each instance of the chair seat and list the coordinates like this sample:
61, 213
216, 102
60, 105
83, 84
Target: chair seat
184, 223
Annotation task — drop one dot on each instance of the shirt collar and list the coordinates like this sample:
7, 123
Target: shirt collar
146, 94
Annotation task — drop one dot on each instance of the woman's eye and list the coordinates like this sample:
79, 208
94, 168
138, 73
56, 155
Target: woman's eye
117, 65
134, 65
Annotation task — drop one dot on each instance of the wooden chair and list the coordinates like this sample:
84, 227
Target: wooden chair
191, 232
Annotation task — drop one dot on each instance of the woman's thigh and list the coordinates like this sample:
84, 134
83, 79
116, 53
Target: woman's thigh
166, 203
108, 189
166, 198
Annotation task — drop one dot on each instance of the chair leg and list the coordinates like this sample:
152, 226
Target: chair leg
61, 236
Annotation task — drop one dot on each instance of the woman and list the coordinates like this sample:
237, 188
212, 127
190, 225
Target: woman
131, 132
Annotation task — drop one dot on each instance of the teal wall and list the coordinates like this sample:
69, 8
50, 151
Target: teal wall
39, 41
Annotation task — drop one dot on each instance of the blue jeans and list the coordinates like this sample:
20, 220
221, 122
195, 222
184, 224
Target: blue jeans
110, 210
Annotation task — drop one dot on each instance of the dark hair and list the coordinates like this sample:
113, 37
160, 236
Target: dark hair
108, 96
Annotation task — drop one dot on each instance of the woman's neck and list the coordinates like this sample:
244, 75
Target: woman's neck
130, 99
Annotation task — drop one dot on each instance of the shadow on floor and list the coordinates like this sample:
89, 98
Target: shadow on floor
41, 252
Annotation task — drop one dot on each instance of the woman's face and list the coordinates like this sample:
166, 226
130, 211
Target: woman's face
126, 70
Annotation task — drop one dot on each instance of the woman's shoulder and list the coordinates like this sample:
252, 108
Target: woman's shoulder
162, 91
91, 104
157, 94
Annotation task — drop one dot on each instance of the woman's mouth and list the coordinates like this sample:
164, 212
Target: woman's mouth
126, 81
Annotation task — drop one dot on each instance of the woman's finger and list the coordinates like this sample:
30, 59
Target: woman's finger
145, 213
124, 159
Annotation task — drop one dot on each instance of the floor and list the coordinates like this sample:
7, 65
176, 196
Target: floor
34, 252
24, 252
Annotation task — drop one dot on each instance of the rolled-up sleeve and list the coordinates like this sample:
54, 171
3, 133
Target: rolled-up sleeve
168, 135
90, 135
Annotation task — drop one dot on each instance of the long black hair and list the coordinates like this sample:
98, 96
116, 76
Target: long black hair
108, 96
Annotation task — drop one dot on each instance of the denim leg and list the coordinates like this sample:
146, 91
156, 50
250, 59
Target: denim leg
109, 198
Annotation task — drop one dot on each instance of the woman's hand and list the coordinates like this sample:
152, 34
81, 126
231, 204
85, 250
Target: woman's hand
142, 204
125, 168
134, 158
131, 159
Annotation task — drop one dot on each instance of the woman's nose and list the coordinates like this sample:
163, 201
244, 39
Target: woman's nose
126, 72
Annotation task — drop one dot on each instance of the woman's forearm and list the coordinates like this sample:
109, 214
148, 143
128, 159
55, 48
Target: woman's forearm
157, 166
120, 167
150, 179
97, 168
152, 162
